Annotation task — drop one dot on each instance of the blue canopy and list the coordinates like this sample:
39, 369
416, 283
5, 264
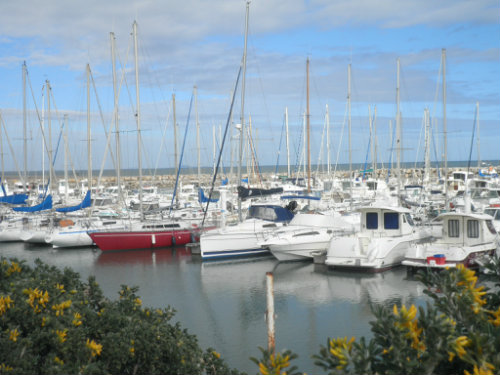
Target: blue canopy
14, 199
202, 198
45, 205
84, 204
309, 197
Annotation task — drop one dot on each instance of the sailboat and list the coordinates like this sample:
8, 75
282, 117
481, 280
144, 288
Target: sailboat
144, 234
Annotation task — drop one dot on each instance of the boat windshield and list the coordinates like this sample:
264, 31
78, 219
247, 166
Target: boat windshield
262, 212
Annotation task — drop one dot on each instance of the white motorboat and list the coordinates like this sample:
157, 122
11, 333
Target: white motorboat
305, 235
243, 239
382, 242
467, 238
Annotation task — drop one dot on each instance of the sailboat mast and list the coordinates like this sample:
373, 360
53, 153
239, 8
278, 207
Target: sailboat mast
89, 147
478, 137
327, 114
25, 124
66, 154
175, 146
308, 133
349, 125
195, 91
115, 112
398, 133
445, 134
242, 118
138, 117
287, 144
51, 172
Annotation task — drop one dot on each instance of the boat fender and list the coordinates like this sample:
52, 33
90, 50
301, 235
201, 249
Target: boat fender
193, 238
173, 240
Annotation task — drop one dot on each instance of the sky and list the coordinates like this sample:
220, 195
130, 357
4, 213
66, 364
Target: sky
183, 44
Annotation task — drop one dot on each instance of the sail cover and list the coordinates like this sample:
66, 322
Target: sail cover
14, 199
86, 202
204, 199
45, 205
244, 193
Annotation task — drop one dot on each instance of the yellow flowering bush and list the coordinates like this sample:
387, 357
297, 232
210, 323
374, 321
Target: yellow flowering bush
46, 330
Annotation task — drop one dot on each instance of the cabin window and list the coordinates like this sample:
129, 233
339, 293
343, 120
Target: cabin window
409, 219
490, 226
453, 228
472, 228
391, 220
371, 220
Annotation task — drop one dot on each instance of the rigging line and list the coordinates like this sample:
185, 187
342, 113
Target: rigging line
340, 141
472, 139
222, 146
182, 154
279, 148
422, 130
320, 153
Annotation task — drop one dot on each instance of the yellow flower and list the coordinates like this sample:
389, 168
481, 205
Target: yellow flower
138, 301
339, 348
44, 320
215, 354
13, 335
496, 317
59, 308
14, 267
62, 334
59, 361
5, 304
77, 321
94, 347
5, 368
60, 287
459, 347
485, 369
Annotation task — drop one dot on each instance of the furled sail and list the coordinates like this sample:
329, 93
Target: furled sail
245, 193
14, 199
86, 202
45, 205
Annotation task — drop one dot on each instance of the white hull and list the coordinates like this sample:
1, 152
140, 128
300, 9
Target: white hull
423, 255
223, 244
10, 235
34, 236
374, 254
70, 239
302, 251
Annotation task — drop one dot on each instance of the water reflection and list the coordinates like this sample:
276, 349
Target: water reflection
223, 302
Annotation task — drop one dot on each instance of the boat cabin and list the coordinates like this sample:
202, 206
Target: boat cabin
467, 228
386, 221
269, 212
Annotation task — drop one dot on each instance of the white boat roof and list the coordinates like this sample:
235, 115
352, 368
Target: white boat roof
385, 208
472, 215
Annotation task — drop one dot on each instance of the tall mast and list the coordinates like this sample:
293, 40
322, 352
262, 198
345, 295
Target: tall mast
66, 154
25, 124
349, 125
175, 146
195, 89
138, 117
478, 137
398, 133
51, 173
116, 119
308, 133
327, 115
287, 144
242, 118
89, 139
445, 135
427, 147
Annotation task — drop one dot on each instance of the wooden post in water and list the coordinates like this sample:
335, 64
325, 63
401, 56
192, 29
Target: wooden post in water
271, 342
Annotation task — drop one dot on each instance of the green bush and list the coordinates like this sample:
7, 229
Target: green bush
458, 333
53, 323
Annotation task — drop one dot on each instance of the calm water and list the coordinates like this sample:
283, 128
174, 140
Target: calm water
224, 302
